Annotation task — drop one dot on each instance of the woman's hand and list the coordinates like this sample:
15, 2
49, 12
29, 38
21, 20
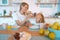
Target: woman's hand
30, 14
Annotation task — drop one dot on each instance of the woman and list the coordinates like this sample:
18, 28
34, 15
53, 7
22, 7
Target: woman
21, 18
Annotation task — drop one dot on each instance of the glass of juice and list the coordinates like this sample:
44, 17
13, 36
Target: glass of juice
9, 27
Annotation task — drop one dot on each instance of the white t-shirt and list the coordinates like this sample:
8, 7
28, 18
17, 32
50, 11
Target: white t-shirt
36, 25
33, 21
18, 16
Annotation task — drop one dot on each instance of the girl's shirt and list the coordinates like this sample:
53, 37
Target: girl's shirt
36, 25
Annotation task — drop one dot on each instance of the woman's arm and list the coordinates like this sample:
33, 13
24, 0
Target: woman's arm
21, 22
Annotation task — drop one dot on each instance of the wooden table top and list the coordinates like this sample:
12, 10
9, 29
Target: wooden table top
33, 33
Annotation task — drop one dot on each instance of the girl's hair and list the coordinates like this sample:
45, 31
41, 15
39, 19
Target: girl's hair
42, 20
34, 14
23, 4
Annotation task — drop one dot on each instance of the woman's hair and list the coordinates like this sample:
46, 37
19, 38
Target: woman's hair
34, 14
42, 19
23, 4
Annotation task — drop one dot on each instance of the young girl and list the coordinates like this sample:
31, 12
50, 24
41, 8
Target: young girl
34, 26
40, 19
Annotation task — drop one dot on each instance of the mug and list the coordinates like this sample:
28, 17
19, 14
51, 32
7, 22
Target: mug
9, 27
4, 25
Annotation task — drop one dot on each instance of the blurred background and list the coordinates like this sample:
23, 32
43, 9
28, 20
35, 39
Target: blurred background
49, 8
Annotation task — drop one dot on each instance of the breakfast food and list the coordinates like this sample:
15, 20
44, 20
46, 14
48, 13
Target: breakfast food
51, 35
41, 31
55, 26
16, 36
22, 36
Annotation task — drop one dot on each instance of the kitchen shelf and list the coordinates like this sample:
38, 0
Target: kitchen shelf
16, 3
47, 3
51, 18
5, 16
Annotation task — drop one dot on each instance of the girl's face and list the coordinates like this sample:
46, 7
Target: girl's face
24, 8
38, 18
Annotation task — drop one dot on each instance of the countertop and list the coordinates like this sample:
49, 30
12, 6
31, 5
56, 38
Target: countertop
35, 34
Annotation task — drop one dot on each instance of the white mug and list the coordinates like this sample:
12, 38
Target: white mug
4, 25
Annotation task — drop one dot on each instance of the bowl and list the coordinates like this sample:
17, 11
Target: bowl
57, 32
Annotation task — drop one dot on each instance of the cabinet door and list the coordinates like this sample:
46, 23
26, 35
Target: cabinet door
4, 2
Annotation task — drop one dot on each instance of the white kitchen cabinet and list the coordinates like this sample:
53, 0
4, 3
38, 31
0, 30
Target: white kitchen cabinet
4, 2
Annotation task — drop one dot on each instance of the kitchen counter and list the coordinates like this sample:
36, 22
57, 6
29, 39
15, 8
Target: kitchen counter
35, 34
7, 31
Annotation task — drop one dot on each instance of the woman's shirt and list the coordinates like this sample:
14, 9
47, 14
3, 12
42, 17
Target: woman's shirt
18, 16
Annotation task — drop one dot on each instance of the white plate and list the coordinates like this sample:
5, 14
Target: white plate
34, 27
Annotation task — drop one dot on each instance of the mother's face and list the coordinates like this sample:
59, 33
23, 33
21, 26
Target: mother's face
24, 8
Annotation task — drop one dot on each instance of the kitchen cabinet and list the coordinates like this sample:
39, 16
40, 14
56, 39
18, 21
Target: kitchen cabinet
47, 3
16, 2
6, 16
5, 2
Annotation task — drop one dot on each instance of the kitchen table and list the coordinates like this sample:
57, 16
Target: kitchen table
35, 34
